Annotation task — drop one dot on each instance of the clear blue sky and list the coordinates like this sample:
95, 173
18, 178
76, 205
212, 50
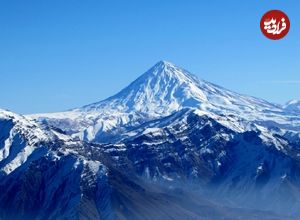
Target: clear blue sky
60, 54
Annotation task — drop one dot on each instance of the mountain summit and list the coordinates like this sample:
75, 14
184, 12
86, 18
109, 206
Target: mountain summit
159, 92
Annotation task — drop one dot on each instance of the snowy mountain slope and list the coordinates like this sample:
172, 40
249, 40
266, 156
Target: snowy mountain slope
256, 169
69, 179
41, 174
19, 141
160, 91
293, 106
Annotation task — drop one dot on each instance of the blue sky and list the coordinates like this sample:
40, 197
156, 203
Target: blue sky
60, 54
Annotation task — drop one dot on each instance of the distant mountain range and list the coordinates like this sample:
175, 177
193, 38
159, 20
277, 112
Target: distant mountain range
166, 138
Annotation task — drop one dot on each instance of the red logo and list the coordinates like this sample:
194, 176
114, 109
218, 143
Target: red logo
275, 24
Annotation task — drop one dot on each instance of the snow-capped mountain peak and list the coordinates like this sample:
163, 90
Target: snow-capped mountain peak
169, 70
161, 91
